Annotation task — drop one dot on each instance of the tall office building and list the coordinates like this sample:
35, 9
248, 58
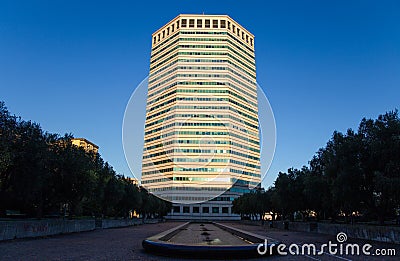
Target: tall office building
201, 147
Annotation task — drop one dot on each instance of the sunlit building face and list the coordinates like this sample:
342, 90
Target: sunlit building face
201, 130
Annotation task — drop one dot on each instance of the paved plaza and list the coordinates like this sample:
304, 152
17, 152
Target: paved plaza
126, 244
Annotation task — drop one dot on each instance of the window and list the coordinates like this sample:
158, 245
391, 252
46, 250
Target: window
177, 25
215, 210
158, 37
223, 24
186, 209
247, 39
207, 24
225, 210
173, 28
206, 210
163, 34
184, 22
154, 40
242, 35
238, 32
233, 28
229, 25
191, 23
199, 23
215, 23
177, 209
251, 41
168, 31
196, 209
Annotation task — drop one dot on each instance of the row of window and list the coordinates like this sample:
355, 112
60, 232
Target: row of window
154, 53
214, 142
244, 182
239, 190
205, 69
217, 116
243, 155
201, 61
169, 179
187, 68
165, 152
202, 99
202, 160
223, 199
189, 107
202, 133
200, 83
187, 46
202, 76
200, 124
195, 84
185, 115
204, 23
242, 172
167, 43
203, 39
220, 170
204, 32
182, 150
171, 57
251, 62
204, 53
187, 189
188, 124
219, 75
160, 180
152, 172
191, 179
246, 164
201, 169
198, 91
196, 210
185, 107
194, 198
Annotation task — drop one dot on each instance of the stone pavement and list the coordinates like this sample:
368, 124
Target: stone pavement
126, 244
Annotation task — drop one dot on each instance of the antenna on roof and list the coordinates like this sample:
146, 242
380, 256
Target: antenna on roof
203, 12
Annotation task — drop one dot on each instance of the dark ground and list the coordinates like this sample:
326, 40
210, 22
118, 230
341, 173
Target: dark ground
126, 244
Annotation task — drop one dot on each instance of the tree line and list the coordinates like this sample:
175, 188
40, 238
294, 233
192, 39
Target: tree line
356, 176
43, 174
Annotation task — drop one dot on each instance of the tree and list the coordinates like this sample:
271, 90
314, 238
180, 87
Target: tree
355, 173
43, 173
381, 139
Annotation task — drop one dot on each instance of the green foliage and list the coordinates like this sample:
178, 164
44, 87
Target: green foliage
43, 173
253, 204
355, 174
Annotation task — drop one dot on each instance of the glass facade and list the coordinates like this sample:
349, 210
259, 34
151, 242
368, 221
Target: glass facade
201, 127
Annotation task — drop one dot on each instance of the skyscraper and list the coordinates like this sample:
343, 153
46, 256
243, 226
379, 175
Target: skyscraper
201, 132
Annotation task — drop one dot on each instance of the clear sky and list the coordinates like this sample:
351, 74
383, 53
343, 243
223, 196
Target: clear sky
324, 65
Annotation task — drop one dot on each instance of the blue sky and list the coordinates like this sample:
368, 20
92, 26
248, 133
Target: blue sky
324, 65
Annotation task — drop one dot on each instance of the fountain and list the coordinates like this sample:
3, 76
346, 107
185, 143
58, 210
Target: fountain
206, 240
